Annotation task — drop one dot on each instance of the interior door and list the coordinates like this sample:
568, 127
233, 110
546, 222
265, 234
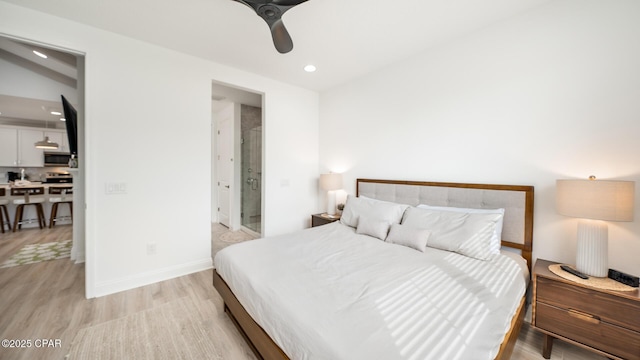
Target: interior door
224, 166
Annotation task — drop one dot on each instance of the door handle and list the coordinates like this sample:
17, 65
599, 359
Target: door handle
227, 186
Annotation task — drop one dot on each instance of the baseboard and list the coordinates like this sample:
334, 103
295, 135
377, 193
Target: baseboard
151, 277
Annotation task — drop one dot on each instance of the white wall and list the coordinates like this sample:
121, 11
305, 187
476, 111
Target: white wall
550, 94
139, 98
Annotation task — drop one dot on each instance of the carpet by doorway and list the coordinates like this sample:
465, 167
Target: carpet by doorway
35, 253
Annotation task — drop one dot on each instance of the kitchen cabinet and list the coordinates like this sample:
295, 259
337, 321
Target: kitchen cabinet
17, 148
28, 155
8, 147
60, 138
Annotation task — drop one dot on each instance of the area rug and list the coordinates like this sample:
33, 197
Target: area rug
35, 253
179, 329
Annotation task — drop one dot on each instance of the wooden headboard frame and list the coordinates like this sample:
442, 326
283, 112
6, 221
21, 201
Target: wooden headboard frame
517, 200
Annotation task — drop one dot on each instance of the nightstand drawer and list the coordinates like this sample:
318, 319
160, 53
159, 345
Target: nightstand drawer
584, 328
611, 309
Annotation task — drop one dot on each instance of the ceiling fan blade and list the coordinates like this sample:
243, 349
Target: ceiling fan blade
287, 2
244, 2
272, 15
283, 4
281, 38
271, 12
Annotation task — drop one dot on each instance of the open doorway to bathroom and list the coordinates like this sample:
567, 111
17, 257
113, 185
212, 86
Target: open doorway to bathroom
237, 146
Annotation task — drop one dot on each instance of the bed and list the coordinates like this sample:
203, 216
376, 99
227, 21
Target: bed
338, 292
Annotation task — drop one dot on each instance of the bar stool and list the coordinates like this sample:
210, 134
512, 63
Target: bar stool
4, 214
26, 200
57, 200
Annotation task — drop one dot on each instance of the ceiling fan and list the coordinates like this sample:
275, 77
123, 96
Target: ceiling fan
271, 11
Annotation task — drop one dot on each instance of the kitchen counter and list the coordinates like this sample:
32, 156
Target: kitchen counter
30, 211
35, 184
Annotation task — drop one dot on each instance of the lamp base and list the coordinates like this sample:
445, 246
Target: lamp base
592, 251
331, 203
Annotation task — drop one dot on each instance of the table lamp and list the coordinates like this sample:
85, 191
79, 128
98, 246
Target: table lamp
594, 202
330, 183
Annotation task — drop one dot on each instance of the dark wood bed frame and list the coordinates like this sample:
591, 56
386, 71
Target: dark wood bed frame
265, 348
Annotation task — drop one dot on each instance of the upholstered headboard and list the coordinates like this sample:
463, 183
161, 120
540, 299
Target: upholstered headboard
517, 200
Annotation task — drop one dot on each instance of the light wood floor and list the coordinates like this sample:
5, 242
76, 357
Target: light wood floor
46, 301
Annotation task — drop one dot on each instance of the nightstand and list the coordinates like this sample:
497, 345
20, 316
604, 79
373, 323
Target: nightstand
323, 219
604, 321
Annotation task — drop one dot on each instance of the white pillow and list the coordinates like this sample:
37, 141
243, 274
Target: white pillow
373, 227
414, 238
496, 239
465, 233
382, 210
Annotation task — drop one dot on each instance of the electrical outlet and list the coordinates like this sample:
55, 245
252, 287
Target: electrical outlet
152, 248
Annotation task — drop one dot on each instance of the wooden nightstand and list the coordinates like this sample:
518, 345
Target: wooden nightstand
322, 219
604, 321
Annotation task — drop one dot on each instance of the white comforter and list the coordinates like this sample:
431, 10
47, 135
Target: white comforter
328, 293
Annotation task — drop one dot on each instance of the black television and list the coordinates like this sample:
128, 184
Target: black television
71, 120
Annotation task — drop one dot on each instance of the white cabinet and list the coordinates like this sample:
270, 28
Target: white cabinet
17, 147
8, 147
28, 155
60, 138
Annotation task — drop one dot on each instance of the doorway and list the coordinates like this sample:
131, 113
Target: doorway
237, 158
34, 102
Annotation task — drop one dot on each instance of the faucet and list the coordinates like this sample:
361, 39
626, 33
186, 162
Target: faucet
22, 174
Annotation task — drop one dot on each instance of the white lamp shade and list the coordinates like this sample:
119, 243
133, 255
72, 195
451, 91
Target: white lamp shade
331, 181
596, 199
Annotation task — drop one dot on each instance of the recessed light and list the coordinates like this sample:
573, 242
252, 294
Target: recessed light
310, 68
40, 54
63, 119
56, 113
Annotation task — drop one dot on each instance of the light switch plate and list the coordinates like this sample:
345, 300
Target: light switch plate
115, 188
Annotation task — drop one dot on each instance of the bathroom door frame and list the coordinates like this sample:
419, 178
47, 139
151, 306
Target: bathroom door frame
235, 94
